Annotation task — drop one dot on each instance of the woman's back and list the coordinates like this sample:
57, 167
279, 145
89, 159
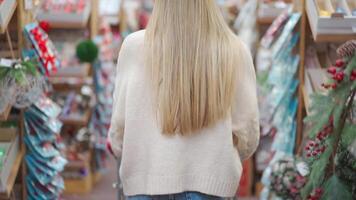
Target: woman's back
185, 90
154, 163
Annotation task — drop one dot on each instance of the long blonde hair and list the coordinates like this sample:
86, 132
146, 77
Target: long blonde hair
192, 55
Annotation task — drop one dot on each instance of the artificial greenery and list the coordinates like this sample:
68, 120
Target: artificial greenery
87, 51
19, 70
332, 166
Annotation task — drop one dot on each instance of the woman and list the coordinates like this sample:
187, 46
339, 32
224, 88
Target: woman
185, 109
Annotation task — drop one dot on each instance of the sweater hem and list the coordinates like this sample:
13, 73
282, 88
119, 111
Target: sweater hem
161, 185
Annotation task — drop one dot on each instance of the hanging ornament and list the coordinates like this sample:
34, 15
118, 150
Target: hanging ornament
287, 178
45, 26
87, 51
20, 83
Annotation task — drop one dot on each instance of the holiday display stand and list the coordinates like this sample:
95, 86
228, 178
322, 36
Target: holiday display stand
18, 171
73, 80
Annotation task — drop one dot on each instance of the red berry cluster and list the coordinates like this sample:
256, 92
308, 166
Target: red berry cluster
317, 147
337, 73
316, 194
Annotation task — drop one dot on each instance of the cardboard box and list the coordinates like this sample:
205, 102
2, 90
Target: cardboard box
9, 140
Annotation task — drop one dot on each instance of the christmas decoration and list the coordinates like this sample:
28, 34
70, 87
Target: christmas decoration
87, 51
20, 83
286, 181
44, 47
43, 158
45, 26
332, 165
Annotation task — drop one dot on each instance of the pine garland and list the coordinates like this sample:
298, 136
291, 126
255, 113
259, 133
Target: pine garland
331, 176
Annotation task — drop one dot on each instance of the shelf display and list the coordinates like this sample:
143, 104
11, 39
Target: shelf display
331, 17
44, 47
43, 158
65, 14
277, 66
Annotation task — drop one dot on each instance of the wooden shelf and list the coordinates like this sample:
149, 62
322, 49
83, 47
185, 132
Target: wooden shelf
80, 71
334, 38
13, 175
64, 25
4, 115
328, 37
12, 11
69, 83
83, 121
265, 20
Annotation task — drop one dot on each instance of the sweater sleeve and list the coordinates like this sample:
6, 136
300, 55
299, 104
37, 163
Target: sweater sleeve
245, 116
117, 125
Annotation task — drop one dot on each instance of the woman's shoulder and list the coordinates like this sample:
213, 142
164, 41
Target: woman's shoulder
135, 39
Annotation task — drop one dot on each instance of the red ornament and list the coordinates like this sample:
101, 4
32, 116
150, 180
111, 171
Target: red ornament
339, 63
45, 26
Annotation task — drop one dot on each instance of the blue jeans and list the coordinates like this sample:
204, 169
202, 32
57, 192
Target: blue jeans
180, 196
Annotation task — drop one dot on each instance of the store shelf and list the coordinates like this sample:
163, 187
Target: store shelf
62, 25
4, 115
327, 37
82, 121
12, 11
333, 38
69, 83
81, 185
13, 174
81, 71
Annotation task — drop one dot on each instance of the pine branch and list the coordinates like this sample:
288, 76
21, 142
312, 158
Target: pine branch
341, 127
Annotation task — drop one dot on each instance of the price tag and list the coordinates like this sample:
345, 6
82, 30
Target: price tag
303, 168
6, 62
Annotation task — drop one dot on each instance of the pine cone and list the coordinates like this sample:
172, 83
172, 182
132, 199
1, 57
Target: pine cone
348, 49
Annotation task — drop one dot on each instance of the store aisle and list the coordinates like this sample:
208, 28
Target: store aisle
103, 190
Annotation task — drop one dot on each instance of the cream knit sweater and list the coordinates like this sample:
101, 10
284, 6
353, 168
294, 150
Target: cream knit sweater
152, 163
